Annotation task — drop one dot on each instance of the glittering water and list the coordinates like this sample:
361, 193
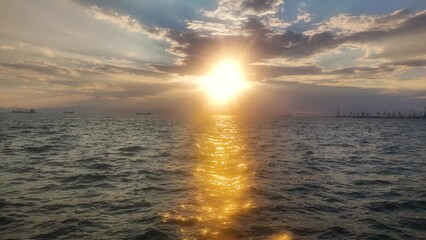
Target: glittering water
219, 177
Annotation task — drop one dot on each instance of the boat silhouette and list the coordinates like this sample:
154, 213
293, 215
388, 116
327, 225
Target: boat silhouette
143, 113
31, 110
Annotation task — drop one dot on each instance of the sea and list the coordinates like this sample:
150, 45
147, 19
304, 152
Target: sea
76, 176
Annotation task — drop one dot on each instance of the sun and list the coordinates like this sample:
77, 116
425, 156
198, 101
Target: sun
225, 81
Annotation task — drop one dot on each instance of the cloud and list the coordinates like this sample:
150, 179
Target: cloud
276, 23
213, 28
6, 48
262, 72
410, 63
261, 6
22, 44
46, 68
126, 51
46, 52
197, 52
414, 24
130, 54
303, 16
346, 24
400, 42
230, 16
125, 21
266, 71
121, 70
256, 43
365, 72
241, 9
141, 89
122, 20
76, 73
43, 50
68, 82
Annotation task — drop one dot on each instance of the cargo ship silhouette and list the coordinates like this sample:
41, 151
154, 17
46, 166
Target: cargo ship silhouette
31, 110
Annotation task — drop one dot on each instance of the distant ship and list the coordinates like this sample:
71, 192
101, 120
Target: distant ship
24, 111
143, 113
68, 112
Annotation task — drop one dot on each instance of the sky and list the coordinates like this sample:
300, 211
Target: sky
300, 56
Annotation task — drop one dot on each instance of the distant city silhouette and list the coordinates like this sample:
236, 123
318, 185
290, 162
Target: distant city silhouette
385, 114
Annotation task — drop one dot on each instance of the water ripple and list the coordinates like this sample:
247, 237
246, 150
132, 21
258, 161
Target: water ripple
127, 177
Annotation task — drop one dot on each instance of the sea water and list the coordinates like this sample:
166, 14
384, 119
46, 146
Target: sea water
214, 177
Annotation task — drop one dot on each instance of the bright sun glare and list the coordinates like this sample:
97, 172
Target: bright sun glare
225, 81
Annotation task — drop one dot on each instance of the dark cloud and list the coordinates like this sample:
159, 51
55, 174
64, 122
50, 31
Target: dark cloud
400, 42
415, 23
255, 27
360, 71
410, 63
198, 52
265, 71
412, 25
268, 72
288, 44
297, 45
261, 6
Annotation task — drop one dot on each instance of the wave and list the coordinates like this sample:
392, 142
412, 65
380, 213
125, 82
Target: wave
123, 207
336, 232
91, 159
72, 228
39, 149
79, 181
100, 166
84, 178
153, 234
131, 149
414, 205
372, 182
378, 225
6, 221
392, 149
418, 224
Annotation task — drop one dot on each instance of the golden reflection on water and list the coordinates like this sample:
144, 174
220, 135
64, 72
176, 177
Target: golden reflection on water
221, 178
282, 236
